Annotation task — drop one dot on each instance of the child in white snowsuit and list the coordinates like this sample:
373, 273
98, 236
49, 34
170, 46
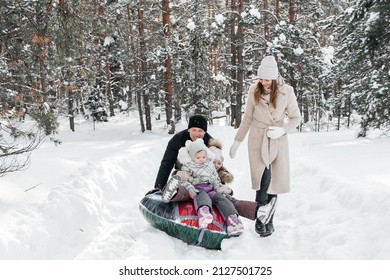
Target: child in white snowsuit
197, 160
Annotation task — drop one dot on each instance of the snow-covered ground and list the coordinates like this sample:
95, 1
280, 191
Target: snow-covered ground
79, 200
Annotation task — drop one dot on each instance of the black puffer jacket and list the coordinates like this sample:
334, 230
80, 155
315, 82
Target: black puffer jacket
170, 156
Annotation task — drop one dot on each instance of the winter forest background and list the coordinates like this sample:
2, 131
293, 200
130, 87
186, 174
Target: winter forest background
171, 58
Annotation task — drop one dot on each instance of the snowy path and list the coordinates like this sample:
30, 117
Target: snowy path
86, 203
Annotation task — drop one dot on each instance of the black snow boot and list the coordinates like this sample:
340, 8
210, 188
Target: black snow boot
260, 228
264, 230
269, 228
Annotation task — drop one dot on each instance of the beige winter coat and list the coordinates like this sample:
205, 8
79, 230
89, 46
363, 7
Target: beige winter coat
263, 151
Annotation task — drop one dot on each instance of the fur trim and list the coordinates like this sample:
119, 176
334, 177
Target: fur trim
216, 143
225, 176
183, 156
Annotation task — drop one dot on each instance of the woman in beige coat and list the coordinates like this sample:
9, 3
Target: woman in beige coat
271, 112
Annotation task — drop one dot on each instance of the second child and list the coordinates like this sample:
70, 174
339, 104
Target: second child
197, 160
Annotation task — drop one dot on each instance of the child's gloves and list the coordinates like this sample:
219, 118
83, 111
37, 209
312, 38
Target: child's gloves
192, 192
184, 176
234, 148
274, 132
225, 190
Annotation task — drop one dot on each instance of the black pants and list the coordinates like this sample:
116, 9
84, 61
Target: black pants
262, 197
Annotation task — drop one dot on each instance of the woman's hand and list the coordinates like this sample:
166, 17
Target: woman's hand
234, 148
274, 132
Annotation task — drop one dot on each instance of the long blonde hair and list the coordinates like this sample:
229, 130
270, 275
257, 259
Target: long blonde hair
259, 90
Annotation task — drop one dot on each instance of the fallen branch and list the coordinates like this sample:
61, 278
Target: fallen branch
33, 187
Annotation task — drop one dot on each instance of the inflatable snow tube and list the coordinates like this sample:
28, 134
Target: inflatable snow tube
179, 219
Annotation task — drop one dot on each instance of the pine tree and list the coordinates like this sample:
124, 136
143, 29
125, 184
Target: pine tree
364, 62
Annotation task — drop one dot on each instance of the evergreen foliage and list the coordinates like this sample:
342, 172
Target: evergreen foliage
364, 62
60, 52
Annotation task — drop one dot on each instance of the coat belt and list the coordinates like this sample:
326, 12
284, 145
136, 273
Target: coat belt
269, 147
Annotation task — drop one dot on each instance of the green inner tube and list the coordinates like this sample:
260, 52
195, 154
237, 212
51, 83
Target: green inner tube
165, 217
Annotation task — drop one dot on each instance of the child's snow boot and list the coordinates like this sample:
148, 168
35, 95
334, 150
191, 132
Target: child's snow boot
170, 188
234, 225
205, 217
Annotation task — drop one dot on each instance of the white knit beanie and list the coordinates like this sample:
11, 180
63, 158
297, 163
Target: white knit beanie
195, 146
217, 152
268, 69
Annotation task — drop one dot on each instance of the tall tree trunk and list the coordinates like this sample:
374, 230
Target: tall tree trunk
277, 9
240, 68
43, 78
266, 26
108, 86
145, 93
337, 109
71, 108
233, 61
348, 106
140, 77
41, 40
132, 65
99, 22
214, 46
318, 108
291, 12
168, 60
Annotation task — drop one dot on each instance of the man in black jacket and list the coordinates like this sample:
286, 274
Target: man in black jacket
197, 128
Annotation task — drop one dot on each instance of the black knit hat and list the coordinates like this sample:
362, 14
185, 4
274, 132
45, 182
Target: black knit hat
198, 121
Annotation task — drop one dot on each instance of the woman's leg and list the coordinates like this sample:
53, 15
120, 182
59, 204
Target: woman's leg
264, 222
261, 194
